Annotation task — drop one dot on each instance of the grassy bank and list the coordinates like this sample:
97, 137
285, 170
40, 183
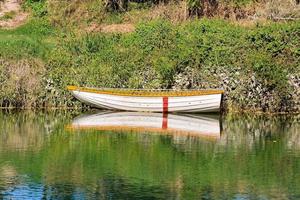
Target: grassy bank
257, 66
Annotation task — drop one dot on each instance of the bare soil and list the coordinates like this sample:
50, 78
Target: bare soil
8, 6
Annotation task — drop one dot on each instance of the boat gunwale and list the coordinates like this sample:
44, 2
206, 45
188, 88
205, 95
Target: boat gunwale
147, 92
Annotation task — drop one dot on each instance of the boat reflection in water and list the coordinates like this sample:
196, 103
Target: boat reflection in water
194, 125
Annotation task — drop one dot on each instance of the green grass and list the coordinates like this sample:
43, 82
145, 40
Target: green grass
204, 51
158, 51
27, 40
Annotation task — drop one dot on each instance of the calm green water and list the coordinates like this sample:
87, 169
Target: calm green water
253, 157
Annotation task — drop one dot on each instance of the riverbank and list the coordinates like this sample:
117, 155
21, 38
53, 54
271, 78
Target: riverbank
257, 66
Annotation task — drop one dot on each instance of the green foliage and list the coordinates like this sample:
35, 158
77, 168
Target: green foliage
38, 7
19, 47
27, 40
156, 54
153, 36
273, 75
34, 28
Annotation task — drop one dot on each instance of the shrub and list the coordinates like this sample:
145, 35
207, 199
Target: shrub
196, 54
38, 7
273, 75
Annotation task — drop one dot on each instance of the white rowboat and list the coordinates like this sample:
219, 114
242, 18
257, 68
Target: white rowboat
150, 100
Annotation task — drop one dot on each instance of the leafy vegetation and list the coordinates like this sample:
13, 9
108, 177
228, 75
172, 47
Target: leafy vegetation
37, 7
202, 53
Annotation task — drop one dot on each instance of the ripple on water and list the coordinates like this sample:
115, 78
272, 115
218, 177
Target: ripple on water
249, 158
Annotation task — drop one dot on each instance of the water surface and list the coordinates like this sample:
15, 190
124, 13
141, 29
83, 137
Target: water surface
56, 155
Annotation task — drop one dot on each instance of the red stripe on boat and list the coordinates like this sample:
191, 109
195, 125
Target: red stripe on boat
165, 104
165, 121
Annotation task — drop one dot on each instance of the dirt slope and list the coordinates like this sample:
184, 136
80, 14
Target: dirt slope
11, 8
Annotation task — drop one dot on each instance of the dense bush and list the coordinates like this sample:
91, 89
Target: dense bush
247, 62
38, 7
211, 52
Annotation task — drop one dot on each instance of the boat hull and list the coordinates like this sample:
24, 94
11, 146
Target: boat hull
188, 104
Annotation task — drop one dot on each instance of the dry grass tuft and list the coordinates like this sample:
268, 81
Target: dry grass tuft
20, 82
175, 12
110, 28
117, 28
280, 9
64, 12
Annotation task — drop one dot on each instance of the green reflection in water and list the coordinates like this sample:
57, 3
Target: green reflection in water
256, 157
